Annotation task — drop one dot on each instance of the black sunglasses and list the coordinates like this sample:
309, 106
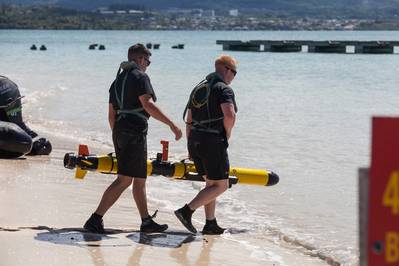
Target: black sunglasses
232, 70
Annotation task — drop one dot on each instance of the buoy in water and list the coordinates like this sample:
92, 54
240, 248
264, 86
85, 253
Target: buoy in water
93, 46
178, 46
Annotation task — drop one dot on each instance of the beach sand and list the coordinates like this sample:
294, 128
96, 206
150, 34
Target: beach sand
43, 209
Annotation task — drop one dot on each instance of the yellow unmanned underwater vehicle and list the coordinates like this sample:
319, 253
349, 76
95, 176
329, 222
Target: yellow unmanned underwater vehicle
180, 170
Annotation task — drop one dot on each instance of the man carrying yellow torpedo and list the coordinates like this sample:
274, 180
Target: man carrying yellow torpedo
211, 113
84, 161
130, 106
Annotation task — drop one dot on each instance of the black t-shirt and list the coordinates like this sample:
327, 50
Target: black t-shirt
219, 93
137, 84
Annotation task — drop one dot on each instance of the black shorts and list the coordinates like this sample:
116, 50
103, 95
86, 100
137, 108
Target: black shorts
209, 153
131, 152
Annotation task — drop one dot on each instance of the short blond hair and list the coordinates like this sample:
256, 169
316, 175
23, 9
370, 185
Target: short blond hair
226, 61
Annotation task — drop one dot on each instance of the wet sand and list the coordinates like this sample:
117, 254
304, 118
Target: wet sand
43, 209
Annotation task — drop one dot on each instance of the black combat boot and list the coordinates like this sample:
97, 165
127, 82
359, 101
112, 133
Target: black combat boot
184, 215
211, 227
95, 224
148, 225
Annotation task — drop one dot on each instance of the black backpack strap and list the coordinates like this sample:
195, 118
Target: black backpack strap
189, 100
118, 99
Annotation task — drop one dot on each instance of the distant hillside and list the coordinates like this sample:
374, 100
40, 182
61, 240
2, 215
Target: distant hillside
327, 8
55, 17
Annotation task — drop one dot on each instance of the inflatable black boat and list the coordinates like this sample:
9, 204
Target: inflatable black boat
14, 142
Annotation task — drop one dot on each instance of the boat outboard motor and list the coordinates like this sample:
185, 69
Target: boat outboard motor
41, 147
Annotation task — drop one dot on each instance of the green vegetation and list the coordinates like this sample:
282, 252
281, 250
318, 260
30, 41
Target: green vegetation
51, 17
54, 17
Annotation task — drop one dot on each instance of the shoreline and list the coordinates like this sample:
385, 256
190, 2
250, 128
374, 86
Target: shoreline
46, 208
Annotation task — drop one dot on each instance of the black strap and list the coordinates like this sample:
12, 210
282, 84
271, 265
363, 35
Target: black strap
189, 100
120, 100
205, 124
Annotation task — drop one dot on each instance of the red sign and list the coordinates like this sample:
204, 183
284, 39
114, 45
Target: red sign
383, 217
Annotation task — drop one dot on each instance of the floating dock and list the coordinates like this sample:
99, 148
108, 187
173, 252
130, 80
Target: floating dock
333, 46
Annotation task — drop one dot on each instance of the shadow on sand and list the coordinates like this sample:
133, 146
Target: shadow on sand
80, 237
164, 240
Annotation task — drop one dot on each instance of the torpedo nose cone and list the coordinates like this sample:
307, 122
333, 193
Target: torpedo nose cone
273, 179
70, 161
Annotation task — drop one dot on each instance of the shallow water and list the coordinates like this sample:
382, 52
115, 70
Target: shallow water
305, 116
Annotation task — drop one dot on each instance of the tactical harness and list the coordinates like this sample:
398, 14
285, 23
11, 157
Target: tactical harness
120, 100
205, 124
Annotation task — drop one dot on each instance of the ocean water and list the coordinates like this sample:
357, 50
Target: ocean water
305, 116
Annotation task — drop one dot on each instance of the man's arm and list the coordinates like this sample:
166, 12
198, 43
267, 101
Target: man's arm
151, 108
229, 117
111, 116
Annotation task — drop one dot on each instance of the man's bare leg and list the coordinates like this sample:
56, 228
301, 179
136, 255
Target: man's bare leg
148, 225
112, 193
210, 207
140, 196
206, 197
212, 190
210, 210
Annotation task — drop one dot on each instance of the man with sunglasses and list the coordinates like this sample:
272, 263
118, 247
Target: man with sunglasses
131, 103
211, 111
